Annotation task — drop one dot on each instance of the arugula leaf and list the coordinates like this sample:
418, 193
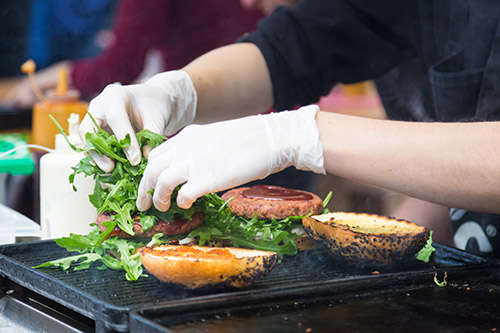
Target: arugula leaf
101, 145
65, 263
131, 265
145, 137
98, 198
438, 283
64, 135
111, 262
147, 221
102, 236
220, 223
425, 253
326, 201
76, 242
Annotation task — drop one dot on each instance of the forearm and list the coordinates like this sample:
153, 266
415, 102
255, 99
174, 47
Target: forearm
231, 80
454, 164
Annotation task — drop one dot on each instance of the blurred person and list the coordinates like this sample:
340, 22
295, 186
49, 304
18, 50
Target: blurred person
66, 29
178, 31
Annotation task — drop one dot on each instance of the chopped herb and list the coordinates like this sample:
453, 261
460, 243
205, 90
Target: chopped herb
441, 284
425, 253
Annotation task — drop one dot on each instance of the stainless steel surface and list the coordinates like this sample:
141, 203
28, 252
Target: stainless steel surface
17, 316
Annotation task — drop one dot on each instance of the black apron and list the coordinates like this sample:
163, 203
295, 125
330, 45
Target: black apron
455, 78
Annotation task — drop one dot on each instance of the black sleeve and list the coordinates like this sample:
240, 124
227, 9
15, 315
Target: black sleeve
320, 43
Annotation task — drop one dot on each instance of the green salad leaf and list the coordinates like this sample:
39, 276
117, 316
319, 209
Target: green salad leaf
425, 253
439, 283
268, 235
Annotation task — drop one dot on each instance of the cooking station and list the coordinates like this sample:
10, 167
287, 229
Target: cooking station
309, 292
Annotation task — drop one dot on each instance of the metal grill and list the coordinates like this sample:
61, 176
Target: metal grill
108, 298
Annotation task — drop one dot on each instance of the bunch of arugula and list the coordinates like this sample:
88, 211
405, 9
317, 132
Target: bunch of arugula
117, 193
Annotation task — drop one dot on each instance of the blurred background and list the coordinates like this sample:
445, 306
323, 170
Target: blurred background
85, 45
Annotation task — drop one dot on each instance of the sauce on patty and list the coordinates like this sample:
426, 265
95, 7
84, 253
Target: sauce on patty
269, 192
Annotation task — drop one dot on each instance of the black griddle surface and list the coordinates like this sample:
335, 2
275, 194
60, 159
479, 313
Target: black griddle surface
107, 297
463, 307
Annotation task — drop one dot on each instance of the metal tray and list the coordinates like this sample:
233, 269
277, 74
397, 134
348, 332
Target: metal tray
107, 298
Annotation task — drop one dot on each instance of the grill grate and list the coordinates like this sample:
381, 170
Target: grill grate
106, 295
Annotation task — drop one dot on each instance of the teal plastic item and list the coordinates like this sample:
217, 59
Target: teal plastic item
19, 162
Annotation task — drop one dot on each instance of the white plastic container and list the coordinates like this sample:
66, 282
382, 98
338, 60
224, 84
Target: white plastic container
62, 210
15, 225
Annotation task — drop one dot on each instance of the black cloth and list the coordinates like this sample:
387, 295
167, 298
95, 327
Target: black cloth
311, 48
431, 61
14, 18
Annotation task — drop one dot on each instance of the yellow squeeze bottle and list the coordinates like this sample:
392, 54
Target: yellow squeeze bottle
60, 103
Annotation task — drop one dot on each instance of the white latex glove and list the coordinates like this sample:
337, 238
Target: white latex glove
163, 104
219, 156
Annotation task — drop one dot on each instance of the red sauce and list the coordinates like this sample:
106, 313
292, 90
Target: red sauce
269, 192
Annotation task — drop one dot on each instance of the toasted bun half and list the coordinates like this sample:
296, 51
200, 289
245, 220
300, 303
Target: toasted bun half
196, 267
305, 243
358, 238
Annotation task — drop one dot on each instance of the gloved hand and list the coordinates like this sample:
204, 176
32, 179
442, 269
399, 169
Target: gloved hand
163, 104
219, 156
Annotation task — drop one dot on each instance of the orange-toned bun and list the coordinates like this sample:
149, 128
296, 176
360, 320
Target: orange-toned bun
195, 266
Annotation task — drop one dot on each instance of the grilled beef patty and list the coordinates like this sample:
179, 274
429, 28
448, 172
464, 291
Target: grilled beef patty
176, 227
268, 202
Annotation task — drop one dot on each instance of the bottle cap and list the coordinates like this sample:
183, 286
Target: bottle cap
61, 94
73, 136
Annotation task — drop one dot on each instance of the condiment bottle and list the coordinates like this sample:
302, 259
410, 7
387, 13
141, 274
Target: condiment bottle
59, 102
62, 210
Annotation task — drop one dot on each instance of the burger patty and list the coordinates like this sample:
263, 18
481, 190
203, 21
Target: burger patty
176, 227
276, 207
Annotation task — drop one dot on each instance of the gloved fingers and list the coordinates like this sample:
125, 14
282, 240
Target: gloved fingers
189, 192
149, 181
103, 162
150, 153
155, 122
160, 150
87, 125
120, 124
97, 108
168, 180
146, 150
179, 100
155, 125
144, 200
